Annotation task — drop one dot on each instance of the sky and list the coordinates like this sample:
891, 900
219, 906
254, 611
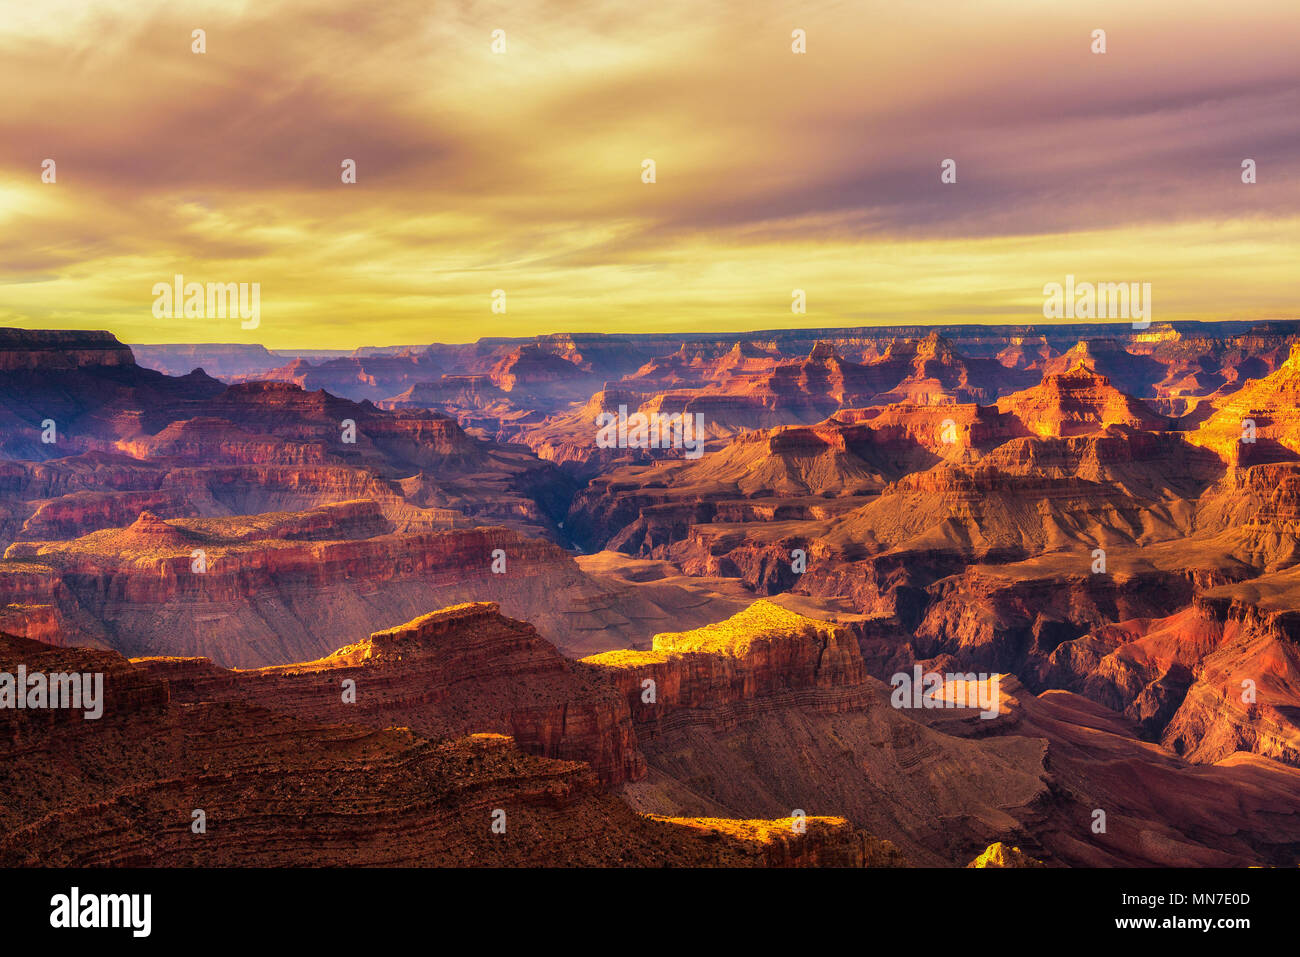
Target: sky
522, 170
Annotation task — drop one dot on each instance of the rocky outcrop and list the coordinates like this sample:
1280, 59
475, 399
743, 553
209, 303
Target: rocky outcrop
1120, 362
1001, 855
124, 692
40, 350
1259, 422
1078, 401
462, 669
765, 657
771, 713
800, 842
529, 367
224, 778
77, 513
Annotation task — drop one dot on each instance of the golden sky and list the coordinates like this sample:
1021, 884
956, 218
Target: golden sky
521, 170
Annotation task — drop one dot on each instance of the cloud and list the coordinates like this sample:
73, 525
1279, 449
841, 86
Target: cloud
522, 171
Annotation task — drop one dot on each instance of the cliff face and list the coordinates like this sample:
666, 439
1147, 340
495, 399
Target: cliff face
1258, 422
32, 350
1006, 620
77, 513
193, 766
721, 737
277, 591
1263, 500
771, 714
463, 669
764, 657
1215, 678
38, 622
529, 367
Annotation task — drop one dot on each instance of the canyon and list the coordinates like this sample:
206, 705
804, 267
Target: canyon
643, 657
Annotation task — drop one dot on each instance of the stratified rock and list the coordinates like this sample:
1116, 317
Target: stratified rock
462, 669
229, 783
1077, 402
1260, 422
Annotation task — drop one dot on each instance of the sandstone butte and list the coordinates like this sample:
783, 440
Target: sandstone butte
762, 652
